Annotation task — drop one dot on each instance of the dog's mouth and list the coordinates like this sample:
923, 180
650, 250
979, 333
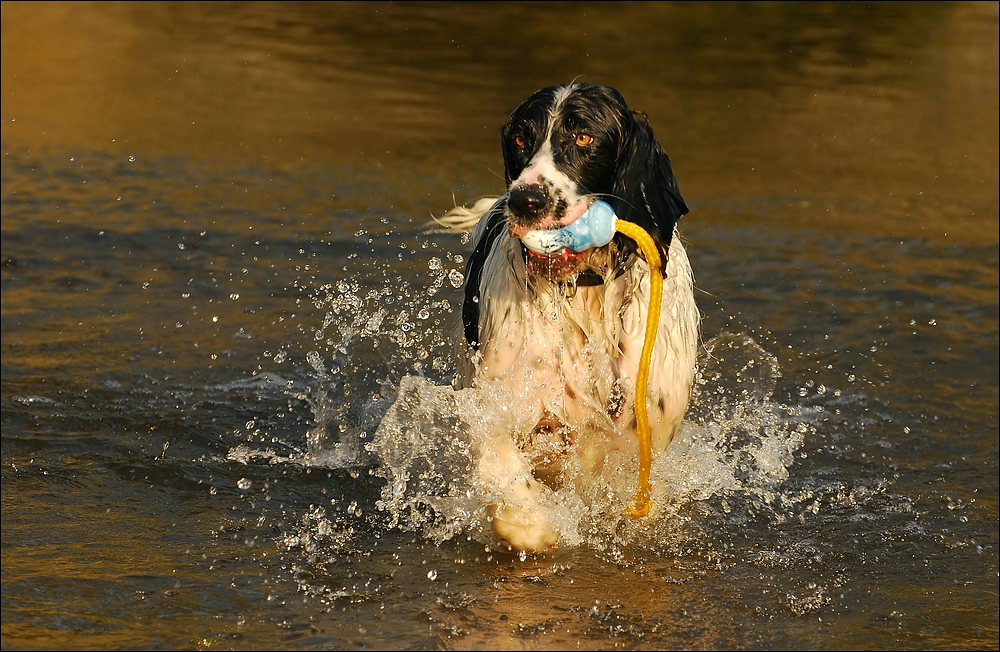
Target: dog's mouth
537, 215
558, 252
555, 267
554, 220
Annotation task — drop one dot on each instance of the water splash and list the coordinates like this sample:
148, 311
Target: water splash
735, 442
378, 389
368, 335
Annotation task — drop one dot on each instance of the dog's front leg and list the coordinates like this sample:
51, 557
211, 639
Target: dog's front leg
518, 518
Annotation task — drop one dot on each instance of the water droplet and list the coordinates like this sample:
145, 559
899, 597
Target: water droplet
456, 277
432, 575
424, 313
434, 264
244, 484
314, 359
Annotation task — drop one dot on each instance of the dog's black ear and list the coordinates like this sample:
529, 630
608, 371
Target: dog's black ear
495, 226
646, 191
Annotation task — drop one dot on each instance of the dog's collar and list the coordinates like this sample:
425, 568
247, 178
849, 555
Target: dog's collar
589, 277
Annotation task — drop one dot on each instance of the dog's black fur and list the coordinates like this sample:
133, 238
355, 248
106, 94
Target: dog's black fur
627, 168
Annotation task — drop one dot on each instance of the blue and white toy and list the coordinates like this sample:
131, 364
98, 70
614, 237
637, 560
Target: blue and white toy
595, 228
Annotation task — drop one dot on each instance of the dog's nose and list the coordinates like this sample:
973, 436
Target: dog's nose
528, 203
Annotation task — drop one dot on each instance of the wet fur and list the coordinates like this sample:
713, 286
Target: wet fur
568, 348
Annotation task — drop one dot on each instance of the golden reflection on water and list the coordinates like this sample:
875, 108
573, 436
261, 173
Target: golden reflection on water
805, 114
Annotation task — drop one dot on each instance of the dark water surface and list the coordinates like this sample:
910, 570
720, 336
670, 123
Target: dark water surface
227, 328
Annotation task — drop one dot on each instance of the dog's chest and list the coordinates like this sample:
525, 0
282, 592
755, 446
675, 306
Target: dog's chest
562, 344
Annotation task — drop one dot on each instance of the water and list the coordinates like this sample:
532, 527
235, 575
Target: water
227, 328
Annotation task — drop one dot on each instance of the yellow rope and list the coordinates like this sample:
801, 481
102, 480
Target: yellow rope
642, 501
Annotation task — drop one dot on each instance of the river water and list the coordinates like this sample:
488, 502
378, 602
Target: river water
227, 327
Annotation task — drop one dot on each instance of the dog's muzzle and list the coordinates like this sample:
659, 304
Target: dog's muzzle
556, 252
528, 204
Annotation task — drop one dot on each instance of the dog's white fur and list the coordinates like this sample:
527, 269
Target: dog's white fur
572, 353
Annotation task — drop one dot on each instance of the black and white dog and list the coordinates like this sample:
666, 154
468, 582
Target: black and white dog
563, 333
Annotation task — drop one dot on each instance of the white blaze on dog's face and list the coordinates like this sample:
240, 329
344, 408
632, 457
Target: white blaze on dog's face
559, 153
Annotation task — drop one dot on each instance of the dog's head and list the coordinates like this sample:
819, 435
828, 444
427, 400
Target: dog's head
563, 148
566, 146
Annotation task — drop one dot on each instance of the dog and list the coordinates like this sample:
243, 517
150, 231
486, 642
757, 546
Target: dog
563, 333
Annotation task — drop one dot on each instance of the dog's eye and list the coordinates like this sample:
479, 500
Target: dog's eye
520, 141
583, 140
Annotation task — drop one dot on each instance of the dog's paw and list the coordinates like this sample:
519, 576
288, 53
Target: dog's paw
523, 529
